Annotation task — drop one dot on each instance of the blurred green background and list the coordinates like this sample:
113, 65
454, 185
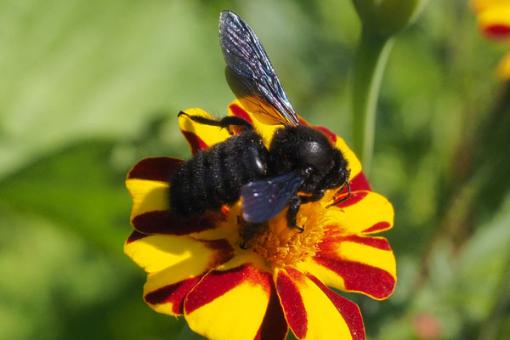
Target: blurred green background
87, 88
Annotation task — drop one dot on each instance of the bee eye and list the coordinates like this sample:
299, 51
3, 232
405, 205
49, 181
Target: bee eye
342, 174
338, 177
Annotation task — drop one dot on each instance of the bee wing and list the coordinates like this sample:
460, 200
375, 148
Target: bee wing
250, 73
263, 200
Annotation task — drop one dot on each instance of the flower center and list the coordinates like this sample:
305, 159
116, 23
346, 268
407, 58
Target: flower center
280, 245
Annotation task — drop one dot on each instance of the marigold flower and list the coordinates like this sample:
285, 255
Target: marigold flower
494, 22
197, 268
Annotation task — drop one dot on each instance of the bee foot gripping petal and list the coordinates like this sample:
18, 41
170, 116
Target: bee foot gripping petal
366, 212
200, 136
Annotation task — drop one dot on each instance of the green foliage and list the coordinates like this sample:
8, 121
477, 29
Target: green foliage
387, 17
90, 87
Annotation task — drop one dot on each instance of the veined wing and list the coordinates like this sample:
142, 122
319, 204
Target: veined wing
250, 73
264, 199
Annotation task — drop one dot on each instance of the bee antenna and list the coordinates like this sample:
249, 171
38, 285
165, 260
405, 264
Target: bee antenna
346, 197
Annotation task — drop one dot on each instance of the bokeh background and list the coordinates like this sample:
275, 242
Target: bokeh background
87, 88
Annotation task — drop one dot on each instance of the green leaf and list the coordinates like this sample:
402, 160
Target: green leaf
78, 188
55, 285
79, 69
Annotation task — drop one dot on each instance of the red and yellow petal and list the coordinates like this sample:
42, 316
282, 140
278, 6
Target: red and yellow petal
169, 298
364, 212
354, 263
155, 253
274, 326
148, 184
232, 304
315, 312
495, 22
174, 264
201, 136
494, 17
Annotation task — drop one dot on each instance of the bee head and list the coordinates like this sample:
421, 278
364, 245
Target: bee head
310, 152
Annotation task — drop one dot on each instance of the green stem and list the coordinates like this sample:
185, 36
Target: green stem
371, 58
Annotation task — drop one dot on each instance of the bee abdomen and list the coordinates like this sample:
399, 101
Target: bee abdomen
214, 177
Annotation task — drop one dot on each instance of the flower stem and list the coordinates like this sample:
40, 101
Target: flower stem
371, 58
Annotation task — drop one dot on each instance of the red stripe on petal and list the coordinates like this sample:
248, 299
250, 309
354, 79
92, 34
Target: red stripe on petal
135, 235
360, 277
194, 141
217, 283
354, 198
497, 31
224, 251
375, 242
295, 274
359, 187
292, 304
156, 168
240, 112
333, 236
174, 293
164, 222
378, 227
348, 309
274, 325
331, 136
360, 182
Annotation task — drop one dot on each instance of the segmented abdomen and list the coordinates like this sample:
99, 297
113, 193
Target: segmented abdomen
214, 177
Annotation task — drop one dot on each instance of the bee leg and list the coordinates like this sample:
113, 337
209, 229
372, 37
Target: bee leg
349, 193
247, 231
242, 228
313, 197
294, 205
223, 123
346, 197
243, 245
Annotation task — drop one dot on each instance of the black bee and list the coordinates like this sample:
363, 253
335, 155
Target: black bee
297, 168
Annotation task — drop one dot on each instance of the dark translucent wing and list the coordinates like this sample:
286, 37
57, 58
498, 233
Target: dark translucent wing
250, 73
263, 200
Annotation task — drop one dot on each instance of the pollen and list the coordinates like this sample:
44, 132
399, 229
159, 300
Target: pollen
280, 245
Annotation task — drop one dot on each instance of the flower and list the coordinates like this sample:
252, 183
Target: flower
197, 268
494, 22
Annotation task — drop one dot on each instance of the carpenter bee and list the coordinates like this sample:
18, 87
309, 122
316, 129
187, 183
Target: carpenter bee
299, 165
